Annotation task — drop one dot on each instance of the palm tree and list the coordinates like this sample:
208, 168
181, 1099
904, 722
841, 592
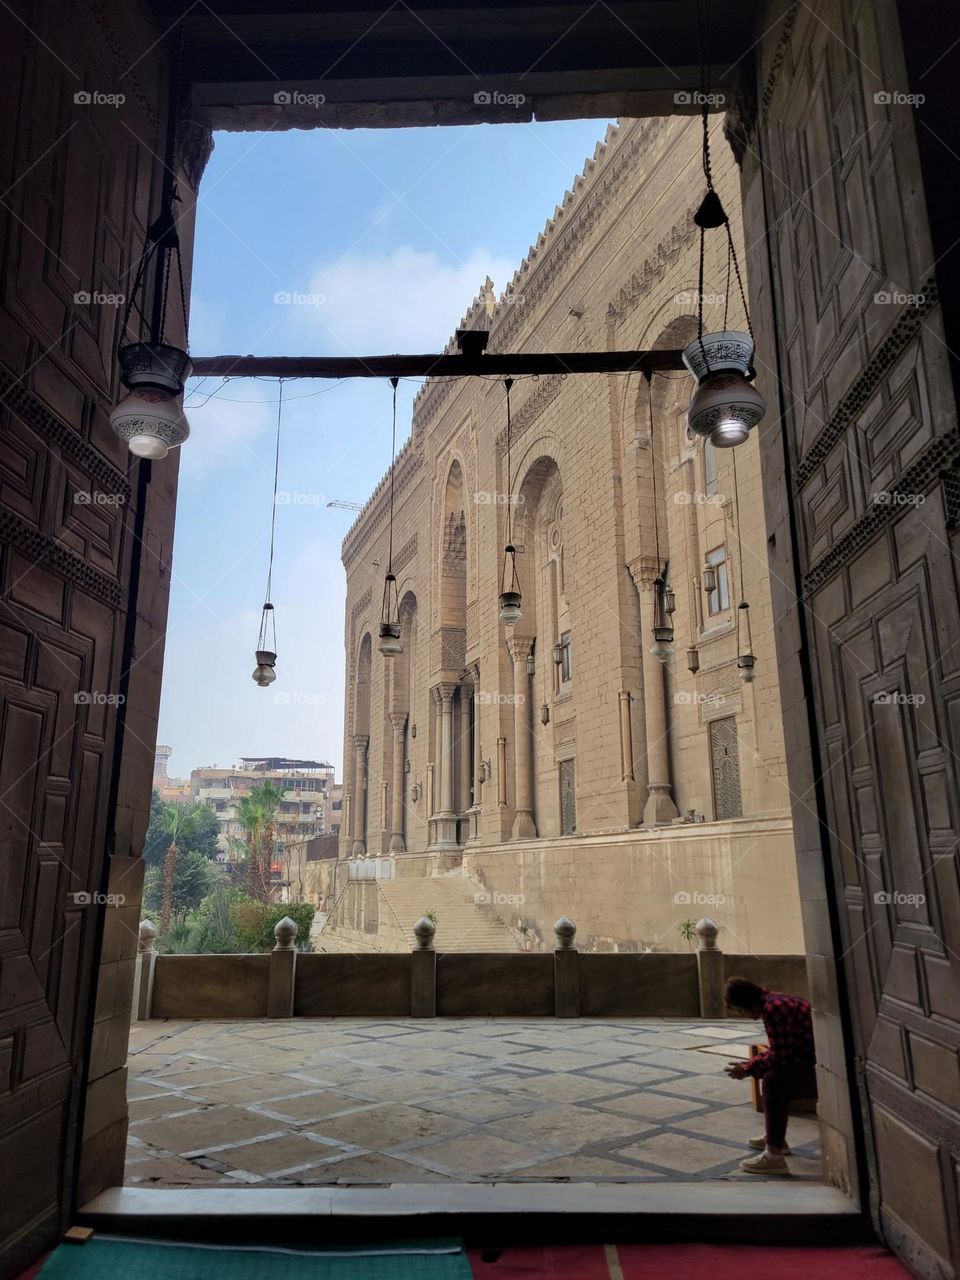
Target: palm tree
178, 821
257, 814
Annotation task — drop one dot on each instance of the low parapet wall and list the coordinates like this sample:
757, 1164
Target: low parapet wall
428, 983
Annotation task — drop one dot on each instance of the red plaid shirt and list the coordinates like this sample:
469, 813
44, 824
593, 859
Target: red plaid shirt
789, 1028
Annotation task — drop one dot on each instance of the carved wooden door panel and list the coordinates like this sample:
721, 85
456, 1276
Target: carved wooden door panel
79, 179
859, 490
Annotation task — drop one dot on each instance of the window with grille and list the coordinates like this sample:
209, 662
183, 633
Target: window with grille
725, 763
568, 798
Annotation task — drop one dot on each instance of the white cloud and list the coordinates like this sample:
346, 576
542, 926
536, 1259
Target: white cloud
235, 428
405, 300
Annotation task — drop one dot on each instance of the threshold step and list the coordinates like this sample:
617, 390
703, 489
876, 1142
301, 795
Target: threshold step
722, 1211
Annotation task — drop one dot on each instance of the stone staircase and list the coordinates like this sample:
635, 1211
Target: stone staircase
462, 923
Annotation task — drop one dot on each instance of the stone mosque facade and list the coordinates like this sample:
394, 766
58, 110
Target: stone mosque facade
557, 765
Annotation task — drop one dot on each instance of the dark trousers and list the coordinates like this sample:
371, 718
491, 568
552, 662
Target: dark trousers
778, 1087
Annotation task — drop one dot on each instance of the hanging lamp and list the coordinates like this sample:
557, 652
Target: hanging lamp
726, 405
664, 599
265, 673
510, 595
150, 419
389, 643
746, 662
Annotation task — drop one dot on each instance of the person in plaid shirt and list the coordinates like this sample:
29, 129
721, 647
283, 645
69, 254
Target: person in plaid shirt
786, 1069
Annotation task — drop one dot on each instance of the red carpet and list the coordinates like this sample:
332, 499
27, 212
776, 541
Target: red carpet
686, 1262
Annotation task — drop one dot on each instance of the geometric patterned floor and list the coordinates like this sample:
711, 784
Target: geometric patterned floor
353, 1101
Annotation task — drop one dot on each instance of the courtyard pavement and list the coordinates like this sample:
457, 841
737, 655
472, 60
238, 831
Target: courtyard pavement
350, 1101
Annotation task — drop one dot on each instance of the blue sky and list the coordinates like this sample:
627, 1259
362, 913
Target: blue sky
386, 235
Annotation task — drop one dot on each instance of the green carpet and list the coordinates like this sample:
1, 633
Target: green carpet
110, 1258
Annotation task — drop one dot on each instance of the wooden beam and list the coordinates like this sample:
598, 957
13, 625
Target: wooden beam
496, 364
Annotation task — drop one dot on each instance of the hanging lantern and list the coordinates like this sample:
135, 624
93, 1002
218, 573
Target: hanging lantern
151, 422
746, 662
746, 665
510, 596
544, 714
150, 419
389, 643
670, 600
693, 659
531, 664
558, 655
662, 648
725, 406
709, 576
264, 673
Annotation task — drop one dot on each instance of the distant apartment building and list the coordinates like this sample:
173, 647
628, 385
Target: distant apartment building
302, 816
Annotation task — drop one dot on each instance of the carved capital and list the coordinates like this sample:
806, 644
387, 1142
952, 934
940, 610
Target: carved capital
360, 742
398, 720
520, 648
444, 693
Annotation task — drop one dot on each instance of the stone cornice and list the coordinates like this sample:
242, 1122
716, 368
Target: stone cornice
376, 510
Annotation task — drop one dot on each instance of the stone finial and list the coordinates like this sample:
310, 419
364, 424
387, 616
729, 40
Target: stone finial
566, 932
148, 934
424, 931
285, 931
707, 931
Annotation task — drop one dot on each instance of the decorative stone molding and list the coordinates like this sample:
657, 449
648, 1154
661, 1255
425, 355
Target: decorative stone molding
779, 56
666, 255
405, 555
530, 410
360, 605
194, 146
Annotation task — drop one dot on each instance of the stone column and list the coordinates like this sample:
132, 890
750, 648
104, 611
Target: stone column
445, 822
626, 738
360, 744
398, 719
659, 807
523, 825
477, 759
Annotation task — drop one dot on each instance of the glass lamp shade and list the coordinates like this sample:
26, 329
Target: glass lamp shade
709, 578
747, 666
661, 650
693, 660
531, 665
558, 654
724, 409
717, 352
510, 607
389, 643
264, 674
151, 422
154, 364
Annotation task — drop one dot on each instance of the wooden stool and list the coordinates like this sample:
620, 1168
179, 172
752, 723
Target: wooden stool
798, 1106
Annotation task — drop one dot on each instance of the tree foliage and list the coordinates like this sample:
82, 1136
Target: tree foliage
254, 922
257, 813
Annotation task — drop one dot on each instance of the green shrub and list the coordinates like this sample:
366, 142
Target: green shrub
253, 923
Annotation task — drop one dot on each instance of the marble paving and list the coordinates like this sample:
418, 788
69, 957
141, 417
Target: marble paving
352, 1101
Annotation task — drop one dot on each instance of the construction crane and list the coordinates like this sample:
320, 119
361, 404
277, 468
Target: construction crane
343, 505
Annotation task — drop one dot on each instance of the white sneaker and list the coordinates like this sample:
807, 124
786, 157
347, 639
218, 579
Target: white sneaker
772, 1166
760, 1144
